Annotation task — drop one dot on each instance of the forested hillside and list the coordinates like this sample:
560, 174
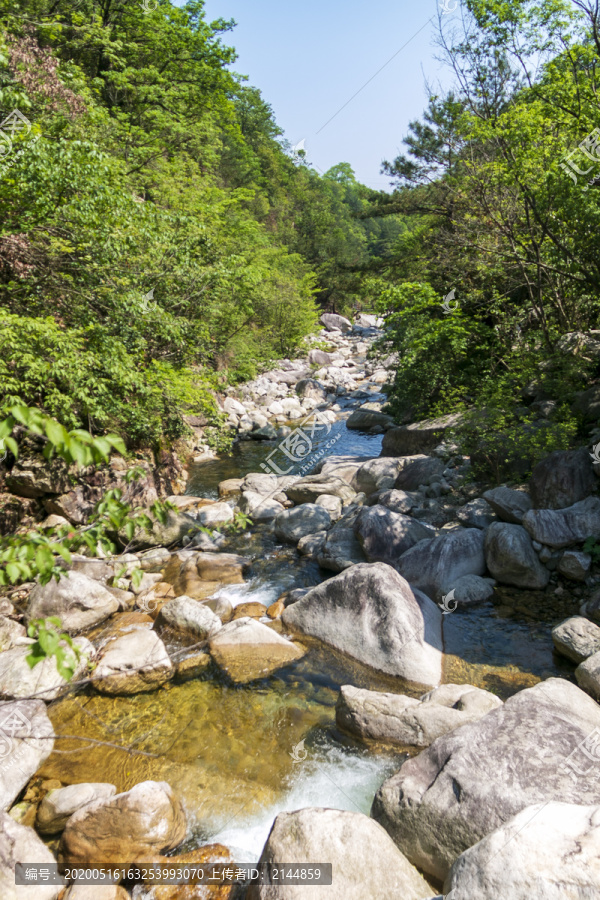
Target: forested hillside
158, 237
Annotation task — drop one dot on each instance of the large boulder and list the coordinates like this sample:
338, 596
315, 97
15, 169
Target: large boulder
587, 403
351, 842
128, 827
385, 535
163, 534
420, 437
476, 514
59, 805
199, 574
213, 516
309, 389
246, 650
587, 674
344, 467
511, 558
417, 470
79, 602
333, 322
133, 663
549, 851
341, 548
293, 524
310, 488
376, 475
576, 638
509, 505
20, 844
476, 778
435, 565
365, 419
561, 527
36, 477
321, 357
18, 680
259, 507
189, 616
562, 479
397, 501
26, 741
372, 614
407, 722
574, 565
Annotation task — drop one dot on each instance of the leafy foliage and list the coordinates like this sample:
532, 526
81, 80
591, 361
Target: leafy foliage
50, 642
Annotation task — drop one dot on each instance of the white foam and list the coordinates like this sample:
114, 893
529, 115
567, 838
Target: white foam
250, 593
338, 779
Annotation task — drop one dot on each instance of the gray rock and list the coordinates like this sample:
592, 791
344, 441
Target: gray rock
44, 682
576, 638
420, 437
342, 548
177, 526
312, 544
18, 844
384, 535
332, 504
351, 842
26, 741
259, 507
59, 805
548, 851
321, 357
310, 389
214, 515
36, 476
344, 467
189, 616
257, 483
476, 778
511, 558
574, 565
559, 528
591, 607
363, 320
587, 403
472, 589
372, 614
587, 674
435, 565
11, 633
417, 470
476, 514
376, 475
293, 524
333, 322
133, 663
365, 419
308, 489
562, 479
510, 506
397, 501
404, 721
78, 601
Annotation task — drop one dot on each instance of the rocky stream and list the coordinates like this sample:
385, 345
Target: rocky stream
394, 668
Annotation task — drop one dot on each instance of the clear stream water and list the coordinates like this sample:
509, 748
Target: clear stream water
240, 754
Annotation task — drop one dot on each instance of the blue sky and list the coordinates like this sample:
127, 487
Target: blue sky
309, 58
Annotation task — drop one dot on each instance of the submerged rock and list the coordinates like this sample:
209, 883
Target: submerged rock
405, 721
246, 650
365, 861
476, 778
373, 615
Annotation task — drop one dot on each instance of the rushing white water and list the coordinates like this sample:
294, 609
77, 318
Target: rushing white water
331, 777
